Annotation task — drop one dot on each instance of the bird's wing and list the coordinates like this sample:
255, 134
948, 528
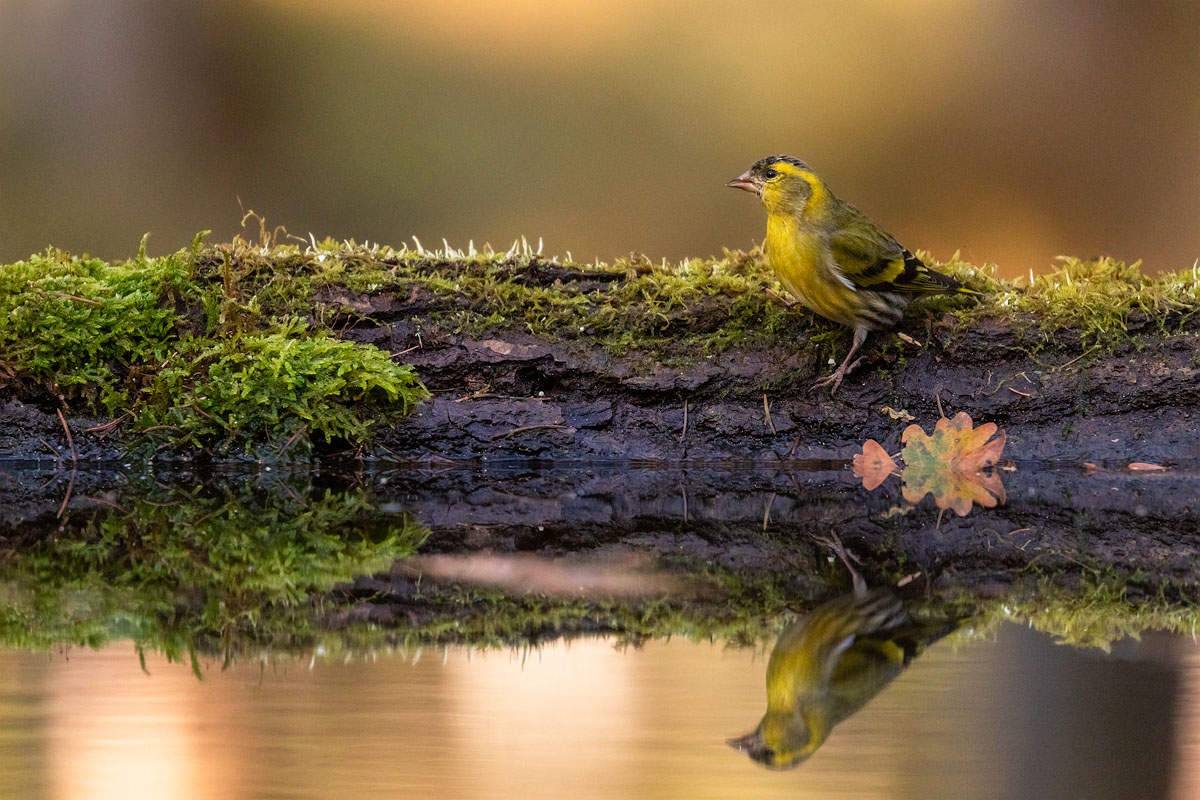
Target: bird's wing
808, 651
869, 258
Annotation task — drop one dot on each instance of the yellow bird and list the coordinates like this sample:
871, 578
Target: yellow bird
835, 259
827, 665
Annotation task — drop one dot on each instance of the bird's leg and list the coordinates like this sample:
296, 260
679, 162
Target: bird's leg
860, 336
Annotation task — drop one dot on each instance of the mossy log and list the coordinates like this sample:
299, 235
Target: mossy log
700, 361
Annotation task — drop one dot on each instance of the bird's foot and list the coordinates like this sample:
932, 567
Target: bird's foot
835, 380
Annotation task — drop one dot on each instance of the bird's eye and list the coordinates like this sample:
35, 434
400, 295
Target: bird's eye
770, 173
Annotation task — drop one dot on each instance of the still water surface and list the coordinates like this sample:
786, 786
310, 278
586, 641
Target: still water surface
1014, 716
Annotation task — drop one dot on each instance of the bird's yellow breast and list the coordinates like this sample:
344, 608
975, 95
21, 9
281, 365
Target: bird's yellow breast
804, 263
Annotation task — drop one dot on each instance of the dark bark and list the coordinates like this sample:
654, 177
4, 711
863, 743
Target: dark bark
511, 395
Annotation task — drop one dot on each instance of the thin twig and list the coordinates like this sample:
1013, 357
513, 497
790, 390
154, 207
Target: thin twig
53, 477
107, 427
767, 412
409, 350
79, 299
484, 392
939, 404
293, 439
787, 301
1076, 358
767, 512
204, 413
171, 504
52, 449
202, 519
292, 494
67, 497
683, 433
1016, 391
525, 428
70, 440
104, 501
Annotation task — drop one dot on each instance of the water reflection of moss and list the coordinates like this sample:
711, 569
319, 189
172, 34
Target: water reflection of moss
1099, 612
741, 608
751, 611
247, 571
198, 573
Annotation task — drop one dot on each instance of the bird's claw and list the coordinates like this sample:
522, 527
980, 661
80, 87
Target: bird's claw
835, 380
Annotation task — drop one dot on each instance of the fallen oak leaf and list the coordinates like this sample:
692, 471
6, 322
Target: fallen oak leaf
873, 465
955, 443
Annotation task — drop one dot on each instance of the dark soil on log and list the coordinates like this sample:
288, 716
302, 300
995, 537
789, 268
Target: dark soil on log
508, 394
515, 396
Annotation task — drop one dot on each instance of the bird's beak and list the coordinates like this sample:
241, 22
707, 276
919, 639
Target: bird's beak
744, 744
746, 183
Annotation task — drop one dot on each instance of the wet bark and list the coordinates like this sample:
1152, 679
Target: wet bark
511, 395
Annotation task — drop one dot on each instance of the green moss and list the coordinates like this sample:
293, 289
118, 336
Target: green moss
676, 313
199, 355
80, 325
245, 566
256, 388
1103, 301
699, 306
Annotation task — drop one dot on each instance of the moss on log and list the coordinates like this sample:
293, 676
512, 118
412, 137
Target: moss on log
277, 351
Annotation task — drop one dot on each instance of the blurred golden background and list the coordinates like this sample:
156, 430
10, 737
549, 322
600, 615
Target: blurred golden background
1015, 131
1018, 717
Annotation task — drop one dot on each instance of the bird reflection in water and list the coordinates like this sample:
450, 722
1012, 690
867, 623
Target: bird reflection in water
828, 664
